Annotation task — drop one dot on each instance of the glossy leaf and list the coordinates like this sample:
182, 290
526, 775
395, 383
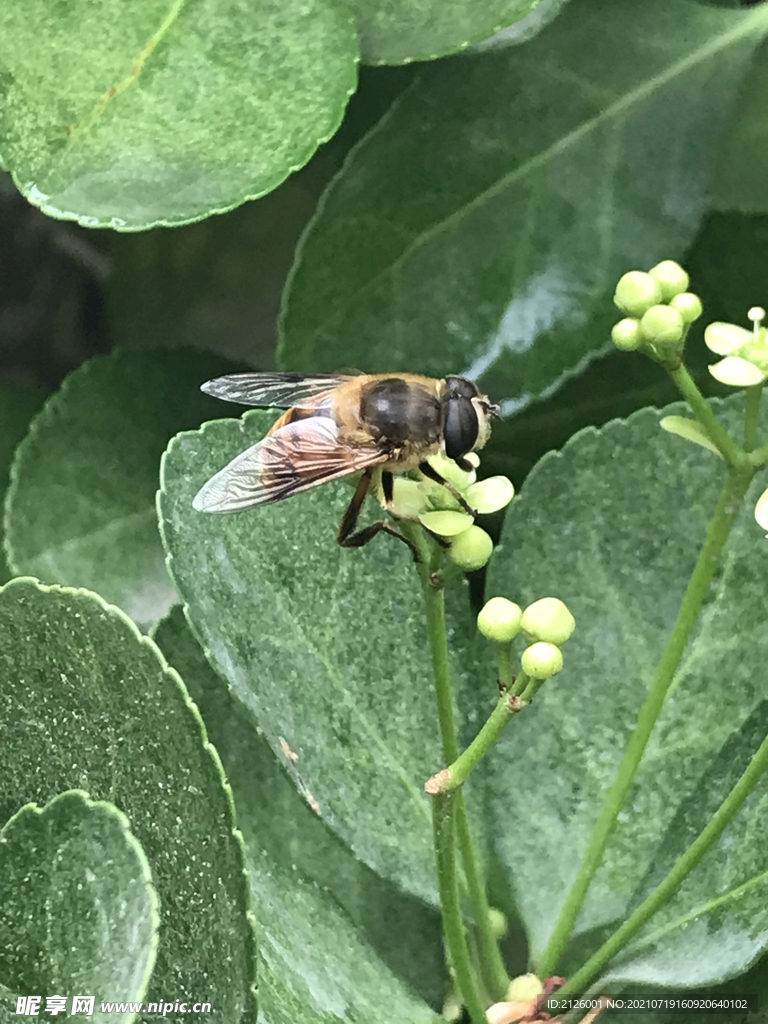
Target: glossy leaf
399, 31
612, 525
80, 913
521, 31
89, 702
326, 648
81, 506
326, 887
481, 227
162, 111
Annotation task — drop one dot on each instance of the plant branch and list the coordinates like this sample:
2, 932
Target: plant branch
719, 436
682, 867
450, 906
732, 493
456, 774
752, 416
497, 979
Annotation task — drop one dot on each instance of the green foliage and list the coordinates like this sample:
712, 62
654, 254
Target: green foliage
624, 511
470, 215
76, 885
81, 506
500, 256
304, 881
163, 113
287, 633
399, 31
89, 703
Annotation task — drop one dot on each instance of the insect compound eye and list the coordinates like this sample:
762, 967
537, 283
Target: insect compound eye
461, 427
460, 387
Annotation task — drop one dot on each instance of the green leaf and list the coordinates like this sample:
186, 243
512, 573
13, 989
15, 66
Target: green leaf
315, 967
216, 285
738, 183
162, 111
521, 31
81, 506
690, 430
279, 828
79, 910
90, 703
613, 525
400, 31
326, 647
19, 401
480, 228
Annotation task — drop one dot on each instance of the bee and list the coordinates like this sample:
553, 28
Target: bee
338, 425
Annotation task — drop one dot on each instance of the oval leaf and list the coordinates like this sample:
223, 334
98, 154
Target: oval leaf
80, 913
89, 702
399, 31
81, 506
481, 227
353, 929
326, 647
162, 111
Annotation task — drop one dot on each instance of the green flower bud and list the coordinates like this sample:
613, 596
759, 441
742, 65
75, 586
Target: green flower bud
687, 305
626, 334
662, 325
498, 922
671, 277
548, 619
471, 549
636, 292
524, 988
490, 495
446, 524
500, 620
542, 660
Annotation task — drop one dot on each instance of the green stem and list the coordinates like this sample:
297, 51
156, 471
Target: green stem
732, 492
456, 774
450, 906
530, 689
752, 415
714, 428
759, 457
682, 867
504, 658
497, 979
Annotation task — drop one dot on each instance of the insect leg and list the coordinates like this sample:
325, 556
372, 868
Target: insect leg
432, 474
346, 536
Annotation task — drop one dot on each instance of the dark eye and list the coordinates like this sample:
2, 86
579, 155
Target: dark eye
461, 427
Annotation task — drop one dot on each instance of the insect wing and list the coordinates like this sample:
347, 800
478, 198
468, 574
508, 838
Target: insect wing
278, 390
295, 458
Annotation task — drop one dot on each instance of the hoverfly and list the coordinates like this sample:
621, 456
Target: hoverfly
337, 425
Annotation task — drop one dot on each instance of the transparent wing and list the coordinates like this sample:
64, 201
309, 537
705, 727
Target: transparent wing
295, 458
279, 390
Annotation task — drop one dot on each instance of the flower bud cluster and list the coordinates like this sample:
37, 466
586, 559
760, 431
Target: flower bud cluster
546, 625
438, 510
659, 310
